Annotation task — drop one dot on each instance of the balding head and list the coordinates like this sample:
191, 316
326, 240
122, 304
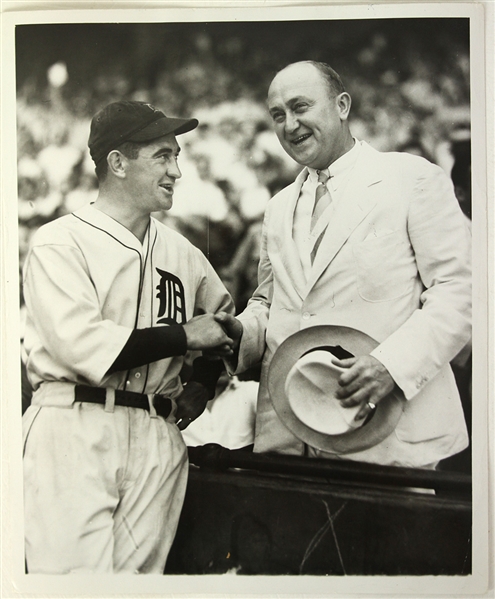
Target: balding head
331, 77
310, 113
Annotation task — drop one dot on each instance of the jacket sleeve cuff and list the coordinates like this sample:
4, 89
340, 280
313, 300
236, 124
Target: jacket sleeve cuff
409, 387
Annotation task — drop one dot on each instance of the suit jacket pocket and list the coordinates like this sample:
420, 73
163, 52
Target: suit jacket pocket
385, 267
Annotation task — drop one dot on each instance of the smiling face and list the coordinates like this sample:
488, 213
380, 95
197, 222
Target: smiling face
309, 119
152, 175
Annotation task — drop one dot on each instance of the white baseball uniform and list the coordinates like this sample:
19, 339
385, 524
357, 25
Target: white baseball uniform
104, 485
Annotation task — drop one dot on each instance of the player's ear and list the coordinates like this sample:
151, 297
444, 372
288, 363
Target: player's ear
116, 163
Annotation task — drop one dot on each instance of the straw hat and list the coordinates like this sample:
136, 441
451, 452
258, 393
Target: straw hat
302, 382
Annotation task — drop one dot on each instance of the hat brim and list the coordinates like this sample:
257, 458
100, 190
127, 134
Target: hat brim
386, 415
164, 126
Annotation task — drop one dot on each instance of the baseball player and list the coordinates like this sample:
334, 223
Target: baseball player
117, 303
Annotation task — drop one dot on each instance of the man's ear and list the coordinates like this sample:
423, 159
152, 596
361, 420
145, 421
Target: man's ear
117, 163
344, 102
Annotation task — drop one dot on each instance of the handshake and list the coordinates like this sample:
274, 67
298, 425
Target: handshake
218, 333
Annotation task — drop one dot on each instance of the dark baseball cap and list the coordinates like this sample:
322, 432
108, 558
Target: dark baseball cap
131, 121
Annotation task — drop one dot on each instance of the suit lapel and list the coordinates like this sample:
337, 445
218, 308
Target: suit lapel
352, 208
288, 249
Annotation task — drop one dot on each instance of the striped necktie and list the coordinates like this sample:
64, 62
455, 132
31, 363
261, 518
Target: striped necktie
323, 199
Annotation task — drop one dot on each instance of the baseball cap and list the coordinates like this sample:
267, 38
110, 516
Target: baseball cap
129, 120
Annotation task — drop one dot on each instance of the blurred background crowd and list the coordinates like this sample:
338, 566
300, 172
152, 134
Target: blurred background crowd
408, 78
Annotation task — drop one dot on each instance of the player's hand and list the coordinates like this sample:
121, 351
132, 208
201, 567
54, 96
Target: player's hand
232, 327
191, 403
204, 332
365, 381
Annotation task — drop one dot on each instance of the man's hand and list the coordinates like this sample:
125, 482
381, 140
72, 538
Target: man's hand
204, 332
231, 325
191, 403
366, 381
234, 329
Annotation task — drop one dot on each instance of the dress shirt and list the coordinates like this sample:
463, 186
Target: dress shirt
340, 172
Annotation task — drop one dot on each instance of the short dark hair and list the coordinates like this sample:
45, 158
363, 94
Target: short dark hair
130, 149
331, 77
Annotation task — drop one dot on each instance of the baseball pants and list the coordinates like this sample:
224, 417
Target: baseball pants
103, 491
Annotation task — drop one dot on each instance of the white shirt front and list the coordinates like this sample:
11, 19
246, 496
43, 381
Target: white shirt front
340, 172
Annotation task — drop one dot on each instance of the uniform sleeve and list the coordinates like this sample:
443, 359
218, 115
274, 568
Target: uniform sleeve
441, 326
145, 346
64, 305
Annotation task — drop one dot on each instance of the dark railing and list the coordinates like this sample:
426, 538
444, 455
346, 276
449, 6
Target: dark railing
217, 458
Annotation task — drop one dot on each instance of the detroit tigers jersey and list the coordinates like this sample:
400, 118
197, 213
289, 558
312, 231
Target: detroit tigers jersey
88, 282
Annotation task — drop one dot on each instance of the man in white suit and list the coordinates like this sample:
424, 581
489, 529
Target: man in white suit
389, 255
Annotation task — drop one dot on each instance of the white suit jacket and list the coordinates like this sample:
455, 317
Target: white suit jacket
394, 263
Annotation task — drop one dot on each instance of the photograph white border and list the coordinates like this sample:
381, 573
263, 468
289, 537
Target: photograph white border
15, 583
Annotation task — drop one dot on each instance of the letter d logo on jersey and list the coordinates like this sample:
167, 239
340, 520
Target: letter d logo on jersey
172, 308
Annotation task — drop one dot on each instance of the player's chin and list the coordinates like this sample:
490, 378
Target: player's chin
166, 202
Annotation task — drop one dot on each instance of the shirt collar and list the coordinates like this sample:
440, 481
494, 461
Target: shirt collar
341, 165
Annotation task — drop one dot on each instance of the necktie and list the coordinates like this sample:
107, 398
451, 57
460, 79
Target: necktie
323, 198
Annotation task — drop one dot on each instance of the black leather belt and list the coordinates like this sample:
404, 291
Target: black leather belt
129, 399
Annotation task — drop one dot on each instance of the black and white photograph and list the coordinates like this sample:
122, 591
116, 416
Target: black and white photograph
246, 279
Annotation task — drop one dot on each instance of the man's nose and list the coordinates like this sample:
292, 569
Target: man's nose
291, 123
173, 170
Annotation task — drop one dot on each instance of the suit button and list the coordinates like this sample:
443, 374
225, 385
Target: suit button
306, 316
138, 375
